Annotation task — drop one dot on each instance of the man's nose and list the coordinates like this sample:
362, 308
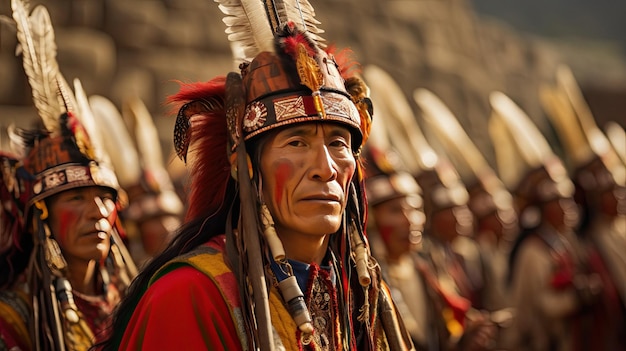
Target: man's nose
324, 167
103, 207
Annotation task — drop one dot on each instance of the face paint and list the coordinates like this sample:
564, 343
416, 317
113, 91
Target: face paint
306, 171
78, 220
284, 170
67, 218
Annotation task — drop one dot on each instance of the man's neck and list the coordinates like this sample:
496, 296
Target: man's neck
305, 248
81, 275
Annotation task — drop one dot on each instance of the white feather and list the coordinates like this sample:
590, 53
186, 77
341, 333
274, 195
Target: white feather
596, 139
404, 132
458, 144
116, 141
248, 28
87, 119
302, 13
536, 149
136, 114
38, 48
617, 137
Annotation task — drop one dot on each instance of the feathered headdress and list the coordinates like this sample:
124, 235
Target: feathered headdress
593, 160
488, 194
436, 176
61, 156
65, 140
286, 77
158, 187
526, 163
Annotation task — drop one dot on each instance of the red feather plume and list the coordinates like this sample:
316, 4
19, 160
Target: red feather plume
207, 161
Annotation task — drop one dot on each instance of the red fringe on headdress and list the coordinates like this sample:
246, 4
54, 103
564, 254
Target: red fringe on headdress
291, 37
196, 91
207, 161
348, 66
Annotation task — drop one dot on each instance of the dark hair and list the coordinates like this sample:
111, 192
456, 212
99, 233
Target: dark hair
14, 261
189, 236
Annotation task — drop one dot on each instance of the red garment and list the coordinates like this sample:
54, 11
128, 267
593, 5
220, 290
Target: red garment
14, 312
182, 310
10, 339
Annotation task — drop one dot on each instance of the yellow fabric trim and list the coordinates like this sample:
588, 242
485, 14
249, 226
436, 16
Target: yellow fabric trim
281, 320
213, 264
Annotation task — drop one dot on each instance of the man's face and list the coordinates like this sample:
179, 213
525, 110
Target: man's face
305, 173
80, 220
400, 223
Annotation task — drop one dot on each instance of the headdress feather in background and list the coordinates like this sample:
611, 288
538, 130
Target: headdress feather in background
117, 140
583, 141
617, 137
139, 120
533, 152
38, 48
598, 142
536, 149
470, 162
449, 130
405, 134
87, 119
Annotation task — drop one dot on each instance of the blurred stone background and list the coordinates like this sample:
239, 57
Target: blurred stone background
460, 49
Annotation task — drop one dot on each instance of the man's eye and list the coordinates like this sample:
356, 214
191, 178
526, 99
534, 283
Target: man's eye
339, 143
296, 143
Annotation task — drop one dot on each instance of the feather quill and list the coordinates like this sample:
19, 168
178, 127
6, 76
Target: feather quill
38, 48
302, 13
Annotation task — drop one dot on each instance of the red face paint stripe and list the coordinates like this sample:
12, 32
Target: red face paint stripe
283, 172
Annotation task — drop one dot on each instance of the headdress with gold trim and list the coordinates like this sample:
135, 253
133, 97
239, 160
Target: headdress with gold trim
286, 77
65, 154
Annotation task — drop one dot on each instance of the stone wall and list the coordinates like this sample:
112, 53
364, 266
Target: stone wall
120, 48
